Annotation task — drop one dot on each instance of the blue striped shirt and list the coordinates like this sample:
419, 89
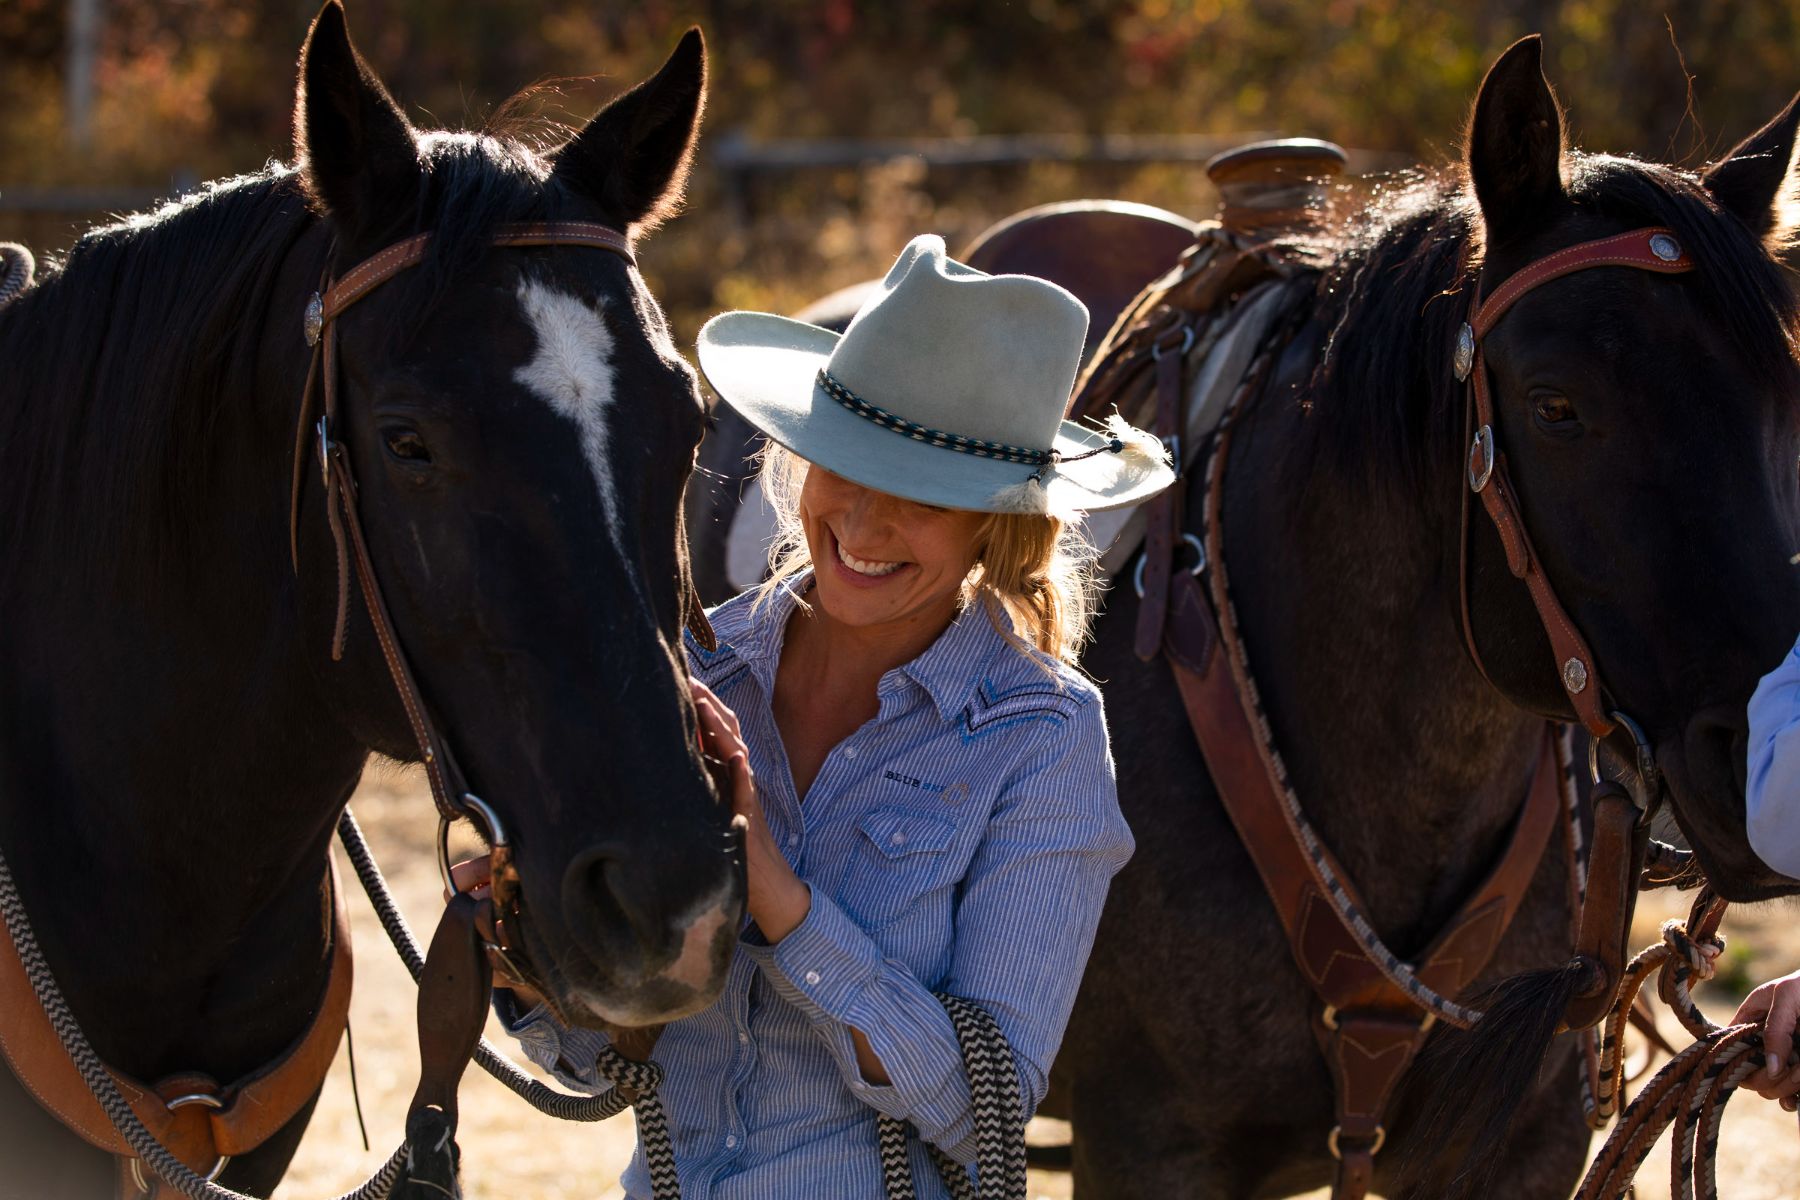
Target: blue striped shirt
962, 841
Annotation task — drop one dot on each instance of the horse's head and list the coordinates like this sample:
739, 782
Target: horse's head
521, 429
1651, 423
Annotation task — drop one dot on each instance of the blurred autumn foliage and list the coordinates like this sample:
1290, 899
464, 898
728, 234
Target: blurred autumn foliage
190, 89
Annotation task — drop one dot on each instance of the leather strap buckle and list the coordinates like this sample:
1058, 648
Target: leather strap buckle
1199, 564
324, 432
1481, 459
1334, 1144
185, 1100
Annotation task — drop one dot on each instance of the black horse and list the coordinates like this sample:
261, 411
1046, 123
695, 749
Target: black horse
1652, 428
176, 742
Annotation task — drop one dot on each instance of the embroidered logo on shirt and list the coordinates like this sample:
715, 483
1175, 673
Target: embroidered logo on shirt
913, 781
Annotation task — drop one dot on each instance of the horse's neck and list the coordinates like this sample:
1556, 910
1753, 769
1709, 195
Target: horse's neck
1347, 600
171, 778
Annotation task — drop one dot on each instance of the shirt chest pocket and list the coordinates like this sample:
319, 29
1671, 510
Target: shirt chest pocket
899, 860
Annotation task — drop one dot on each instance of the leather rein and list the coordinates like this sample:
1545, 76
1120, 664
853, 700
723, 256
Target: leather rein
199, 1120
449, 788
1377, 1009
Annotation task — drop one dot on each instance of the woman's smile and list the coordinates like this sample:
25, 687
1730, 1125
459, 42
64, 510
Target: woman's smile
863, 572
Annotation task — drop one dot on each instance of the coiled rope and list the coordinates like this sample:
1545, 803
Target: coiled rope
1691, 1091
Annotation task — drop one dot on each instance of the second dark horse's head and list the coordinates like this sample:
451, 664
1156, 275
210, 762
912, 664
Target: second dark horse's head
522, 428
1652, 425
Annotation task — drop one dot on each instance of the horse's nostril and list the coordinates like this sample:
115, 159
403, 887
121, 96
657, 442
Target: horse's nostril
598, 901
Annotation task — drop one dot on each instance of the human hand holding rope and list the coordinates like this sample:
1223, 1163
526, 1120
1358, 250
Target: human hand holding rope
1776, 1004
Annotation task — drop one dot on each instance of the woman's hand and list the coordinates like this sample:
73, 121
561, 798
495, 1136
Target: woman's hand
471, 876
779, 900
1777, 1005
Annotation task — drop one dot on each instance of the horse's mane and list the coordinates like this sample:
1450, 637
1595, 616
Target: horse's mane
1386, 405
124, 361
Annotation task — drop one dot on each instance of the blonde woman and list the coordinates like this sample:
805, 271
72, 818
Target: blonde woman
923, 769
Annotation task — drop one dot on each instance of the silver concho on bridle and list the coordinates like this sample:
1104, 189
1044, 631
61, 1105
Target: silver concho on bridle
1463, 361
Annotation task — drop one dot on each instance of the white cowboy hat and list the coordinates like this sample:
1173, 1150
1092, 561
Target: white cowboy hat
949, 388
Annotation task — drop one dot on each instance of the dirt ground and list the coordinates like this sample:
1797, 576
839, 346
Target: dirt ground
509, 1150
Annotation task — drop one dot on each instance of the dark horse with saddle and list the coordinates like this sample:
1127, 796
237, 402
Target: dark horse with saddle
313, 464
279, 496
1502, 465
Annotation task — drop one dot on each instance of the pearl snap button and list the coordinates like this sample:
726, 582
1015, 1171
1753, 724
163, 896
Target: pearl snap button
731, 1141
849, 751
898, 839
743, 1038
812, 977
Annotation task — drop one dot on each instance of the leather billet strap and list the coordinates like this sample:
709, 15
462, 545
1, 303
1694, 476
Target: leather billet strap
196, 1119
1654, 250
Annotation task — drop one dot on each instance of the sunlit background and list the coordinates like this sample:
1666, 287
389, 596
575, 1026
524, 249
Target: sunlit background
943, 114
835, 131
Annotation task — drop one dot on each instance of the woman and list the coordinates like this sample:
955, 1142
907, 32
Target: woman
1772, 816
923, 770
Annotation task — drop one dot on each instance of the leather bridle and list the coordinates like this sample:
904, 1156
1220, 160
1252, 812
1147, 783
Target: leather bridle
448, 786
1620, 813
1652, 249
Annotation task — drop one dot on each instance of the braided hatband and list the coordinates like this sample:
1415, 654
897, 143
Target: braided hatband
1002, 451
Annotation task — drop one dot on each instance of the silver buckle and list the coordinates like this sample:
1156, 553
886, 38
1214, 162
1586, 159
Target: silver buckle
324, 428
1483, 445
1194, 543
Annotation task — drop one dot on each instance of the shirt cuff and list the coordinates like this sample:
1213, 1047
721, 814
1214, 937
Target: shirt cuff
570, 1055
823, 965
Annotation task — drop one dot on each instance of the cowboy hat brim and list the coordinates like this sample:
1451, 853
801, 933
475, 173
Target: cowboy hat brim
766, 367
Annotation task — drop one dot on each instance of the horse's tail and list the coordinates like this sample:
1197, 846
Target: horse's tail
1482, 1075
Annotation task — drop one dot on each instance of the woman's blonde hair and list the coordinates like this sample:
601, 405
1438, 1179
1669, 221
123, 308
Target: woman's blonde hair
1037, 570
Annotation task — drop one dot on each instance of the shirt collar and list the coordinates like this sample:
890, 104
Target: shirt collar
948, 671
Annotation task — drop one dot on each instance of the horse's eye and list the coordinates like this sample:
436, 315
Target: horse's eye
1553, 410
406, 445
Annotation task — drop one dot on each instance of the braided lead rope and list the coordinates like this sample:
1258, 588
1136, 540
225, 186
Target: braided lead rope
1594, 1109
16, 269
1689, 1094
999, 1117
1392, 968
547, 1100
105, 1089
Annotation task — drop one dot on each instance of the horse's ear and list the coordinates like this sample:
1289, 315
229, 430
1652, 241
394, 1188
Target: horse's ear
632, 158
1757, 182
357, 153
1515, 142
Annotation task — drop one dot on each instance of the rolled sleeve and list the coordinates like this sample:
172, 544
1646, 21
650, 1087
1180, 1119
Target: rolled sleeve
568, 1054
1772, 782
1025, 919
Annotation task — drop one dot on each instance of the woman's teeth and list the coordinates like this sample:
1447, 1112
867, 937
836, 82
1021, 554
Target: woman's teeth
863, 566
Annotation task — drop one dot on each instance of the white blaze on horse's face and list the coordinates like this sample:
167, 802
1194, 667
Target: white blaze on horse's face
572, 372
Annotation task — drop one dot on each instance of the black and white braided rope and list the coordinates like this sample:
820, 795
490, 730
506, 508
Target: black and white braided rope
999, 1118
1392, 967
16, 269
100, 1082
546, 1100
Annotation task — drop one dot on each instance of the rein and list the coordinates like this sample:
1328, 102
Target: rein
273, 1095
448, 786
1377, 1008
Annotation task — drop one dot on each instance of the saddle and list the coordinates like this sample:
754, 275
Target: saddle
1180, 359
